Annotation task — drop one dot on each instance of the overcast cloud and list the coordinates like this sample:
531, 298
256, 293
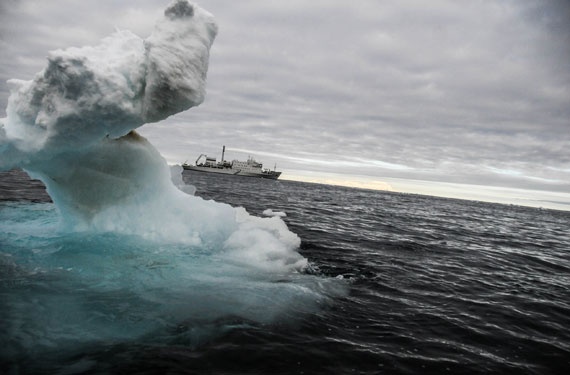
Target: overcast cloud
474, 92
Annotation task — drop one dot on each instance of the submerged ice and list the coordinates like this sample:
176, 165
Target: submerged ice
126, 252
65, 293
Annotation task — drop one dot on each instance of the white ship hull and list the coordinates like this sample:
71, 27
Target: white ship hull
270, 174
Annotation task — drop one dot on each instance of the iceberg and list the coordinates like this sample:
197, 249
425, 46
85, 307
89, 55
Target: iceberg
72, 126
124, 251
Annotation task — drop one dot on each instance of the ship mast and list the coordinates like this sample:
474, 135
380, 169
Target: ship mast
223, 152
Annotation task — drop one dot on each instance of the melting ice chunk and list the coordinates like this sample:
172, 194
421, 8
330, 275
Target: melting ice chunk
72, 126
270, 212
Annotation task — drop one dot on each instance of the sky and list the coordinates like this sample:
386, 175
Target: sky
467, 99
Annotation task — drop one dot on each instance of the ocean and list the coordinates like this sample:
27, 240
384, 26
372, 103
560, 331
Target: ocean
396, 284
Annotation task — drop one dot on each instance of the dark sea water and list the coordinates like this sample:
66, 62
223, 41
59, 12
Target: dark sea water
435, 286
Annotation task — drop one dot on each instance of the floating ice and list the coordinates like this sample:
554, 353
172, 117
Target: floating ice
133, 252
270, 212
73, 125
176, 177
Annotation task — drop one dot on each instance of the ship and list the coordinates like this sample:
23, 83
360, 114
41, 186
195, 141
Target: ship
248, 168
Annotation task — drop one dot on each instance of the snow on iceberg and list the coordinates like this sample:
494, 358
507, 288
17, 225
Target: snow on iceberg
89, 93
